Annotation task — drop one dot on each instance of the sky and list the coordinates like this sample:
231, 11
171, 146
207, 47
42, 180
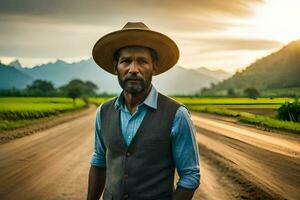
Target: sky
216, 34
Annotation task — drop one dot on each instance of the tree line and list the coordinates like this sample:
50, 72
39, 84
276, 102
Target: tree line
250, 92
42, 88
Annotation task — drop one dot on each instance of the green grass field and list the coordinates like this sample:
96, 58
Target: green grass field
98, 100
260, 111
228, 102
277, 92
21, 111
247, 117
231, 101
18, 112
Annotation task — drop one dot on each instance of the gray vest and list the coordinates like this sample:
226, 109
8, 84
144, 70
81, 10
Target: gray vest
145, 169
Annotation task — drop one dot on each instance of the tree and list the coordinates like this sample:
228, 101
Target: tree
40, 88
231, 92
290, 111
74, 89
90, 88
77, 88
251, 93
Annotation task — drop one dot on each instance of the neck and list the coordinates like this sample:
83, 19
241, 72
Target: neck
133, 100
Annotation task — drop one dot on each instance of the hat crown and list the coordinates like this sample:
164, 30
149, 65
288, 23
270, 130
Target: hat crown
135, 34
135, 25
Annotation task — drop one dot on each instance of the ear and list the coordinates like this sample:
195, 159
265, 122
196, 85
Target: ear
115, 64
155, 68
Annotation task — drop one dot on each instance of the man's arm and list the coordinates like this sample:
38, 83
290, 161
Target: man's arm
185, 154
97, 172
96, 182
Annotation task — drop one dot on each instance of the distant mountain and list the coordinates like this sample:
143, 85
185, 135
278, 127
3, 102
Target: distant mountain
15, 64
10, 77
177, 80
280, 69
60, 73
217, 74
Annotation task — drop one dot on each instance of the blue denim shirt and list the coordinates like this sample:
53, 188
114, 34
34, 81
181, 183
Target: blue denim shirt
184, 146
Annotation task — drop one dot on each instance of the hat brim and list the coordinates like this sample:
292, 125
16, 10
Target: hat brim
105, 47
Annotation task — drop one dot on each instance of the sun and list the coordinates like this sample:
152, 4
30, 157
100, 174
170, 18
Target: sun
277, 20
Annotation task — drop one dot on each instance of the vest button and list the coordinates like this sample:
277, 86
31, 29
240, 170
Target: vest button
128, 154
126, 196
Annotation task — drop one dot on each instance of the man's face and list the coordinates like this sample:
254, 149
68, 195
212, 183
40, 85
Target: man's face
135, 69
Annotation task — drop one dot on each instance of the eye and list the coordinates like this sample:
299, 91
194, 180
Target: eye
125, 61
143, 61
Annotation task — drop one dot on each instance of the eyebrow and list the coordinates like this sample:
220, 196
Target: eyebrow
129, 57
124, 57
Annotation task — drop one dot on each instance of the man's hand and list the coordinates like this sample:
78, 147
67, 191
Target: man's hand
183, 193
96, 185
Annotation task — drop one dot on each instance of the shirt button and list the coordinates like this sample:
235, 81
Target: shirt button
126, 196
128, 154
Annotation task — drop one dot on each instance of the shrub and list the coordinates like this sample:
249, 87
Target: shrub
290, 111
251, 93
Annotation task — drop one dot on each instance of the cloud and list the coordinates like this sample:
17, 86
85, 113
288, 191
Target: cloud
69, 28
79, 7
221, 44
189, 15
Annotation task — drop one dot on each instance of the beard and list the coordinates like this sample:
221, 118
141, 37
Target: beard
134, 84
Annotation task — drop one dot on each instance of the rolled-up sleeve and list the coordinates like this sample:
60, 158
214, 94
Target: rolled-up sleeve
98, 156
185, 150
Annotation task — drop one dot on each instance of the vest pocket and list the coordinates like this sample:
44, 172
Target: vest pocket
107, 195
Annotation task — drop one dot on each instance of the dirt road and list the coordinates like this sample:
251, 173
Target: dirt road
236, 162
51, 164
255, 163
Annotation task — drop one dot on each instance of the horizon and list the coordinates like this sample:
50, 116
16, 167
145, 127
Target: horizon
227, 36
75, 62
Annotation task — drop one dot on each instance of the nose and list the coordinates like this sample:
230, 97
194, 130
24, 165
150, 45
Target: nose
133, 68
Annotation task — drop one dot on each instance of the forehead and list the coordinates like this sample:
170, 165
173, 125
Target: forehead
138, 51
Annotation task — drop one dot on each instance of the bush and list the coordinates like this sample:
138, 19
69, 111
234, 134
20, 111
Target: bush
290, 111
231, 92
251, 93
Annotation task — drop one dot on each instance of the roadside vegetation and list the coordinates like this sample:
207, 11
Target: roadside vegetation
41, 101
25, 108
270, 113
262, 112
16, 112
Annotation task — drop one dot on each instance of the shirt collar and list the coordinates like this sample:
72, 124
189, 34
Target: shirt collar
151, 99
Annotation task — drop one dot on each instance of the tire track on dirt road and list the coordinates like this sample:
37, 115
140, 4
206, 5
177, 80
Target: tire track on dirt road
269, 162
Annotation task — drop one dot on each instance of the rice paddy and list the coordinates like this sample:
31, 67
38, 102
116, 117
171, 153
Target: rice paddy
19, 111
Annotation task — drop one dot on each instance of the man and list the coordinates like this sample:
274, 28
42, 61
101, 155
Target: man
141, 136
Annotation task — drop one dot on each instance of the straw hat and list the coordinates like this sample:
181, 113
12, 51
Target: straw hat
136, 34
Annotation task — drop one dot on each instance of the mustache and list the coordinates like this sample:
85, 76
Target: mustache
132, 77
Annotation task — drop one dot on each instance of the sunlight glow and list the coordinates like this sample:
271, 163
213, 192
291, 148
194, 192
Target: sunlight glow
277, 20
